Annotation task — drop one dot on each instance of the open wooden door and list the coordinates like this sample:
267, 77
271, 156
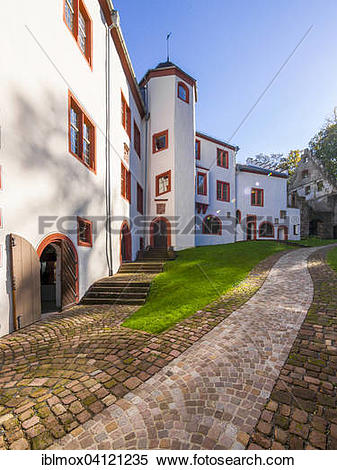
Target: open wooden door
69, 274
25, 282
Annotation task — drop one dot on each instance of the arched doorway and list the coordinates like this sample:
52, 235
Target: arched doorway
251, 227
58, 272
50, 276
266, 230
126, 243
211, 225
282, 232
160, 233
315, 227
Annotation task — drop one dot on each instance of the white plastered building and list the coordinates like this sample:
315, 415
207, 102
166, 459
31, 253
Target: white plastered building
83, 143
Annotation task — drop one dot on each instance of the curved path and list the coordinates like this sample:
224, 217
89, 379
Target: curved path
212, 395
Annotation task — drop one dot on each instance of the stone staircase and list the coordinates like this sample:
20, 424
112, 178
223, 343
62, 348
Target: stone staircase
130, 286
156, 254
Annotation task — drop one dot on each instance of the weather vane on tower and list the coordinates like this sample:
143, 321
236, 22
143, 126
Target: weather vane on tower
168, 46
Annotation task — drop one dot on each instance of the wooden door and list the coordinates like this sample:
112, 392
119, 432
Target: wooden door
69, 274
160, 234
25, 282
126, 248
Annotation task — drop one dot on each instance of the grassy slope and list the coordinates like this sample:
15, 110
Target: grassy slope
313, 241
332, 258
197, 277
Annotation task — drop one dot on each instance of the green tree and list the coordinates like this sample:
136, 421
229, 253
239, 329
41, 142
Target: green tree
324, 147
290, 162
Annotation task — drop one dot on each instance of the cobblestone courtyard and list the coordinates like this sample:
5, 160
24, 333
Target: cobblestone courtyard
79, 380
62, 371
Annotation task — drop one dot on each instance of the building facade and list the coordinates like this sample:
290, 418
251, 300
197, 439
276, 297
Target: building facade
315, 193
96, 166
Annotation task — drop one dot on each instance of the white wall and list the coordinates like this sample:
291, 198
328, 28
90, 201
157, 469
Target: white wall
40, 177
184, 167
275, 200
224, 210
168, 112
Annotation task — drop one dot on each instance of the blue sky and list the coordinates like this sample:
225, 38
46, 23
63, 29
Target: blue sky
234, 48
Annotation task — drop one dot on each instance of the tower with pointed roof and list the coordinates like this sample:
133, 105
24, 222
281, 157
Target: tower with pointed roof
170, 96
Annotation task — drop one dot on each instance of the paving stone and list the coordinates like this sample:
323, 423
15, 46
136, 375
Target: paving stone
20, 444
300, 416
317, 439
304, 385
162, 408
225, 357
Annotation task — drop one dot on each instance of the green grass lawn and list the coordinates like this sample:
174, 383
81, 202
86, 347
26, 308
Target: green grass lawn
197, 277
332, 258
314, 241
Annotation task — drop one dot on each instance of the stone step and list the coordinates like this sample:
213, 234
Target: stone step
142, 264
116, 295
111, 301
122, 284
137, 270
116, 289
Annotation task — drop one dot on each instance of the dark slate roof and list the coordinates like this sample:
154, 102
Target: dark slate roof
163, 65
262, 171
166, 65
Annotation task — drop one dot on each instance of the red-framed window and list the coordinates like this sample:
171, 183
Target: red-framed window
126, 115
238, 217
211, 225
84, 232
202, 183
197, 149
140, 199
125, 183
183, 92
136, 139
222, 158
257, 197
266, 229
163, 183
81, 134
159, 141
79, 23
222, 191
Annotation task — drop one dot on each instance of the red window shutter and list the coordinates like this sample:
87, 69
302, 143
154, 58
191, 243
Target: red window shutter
123, 111
128, 186
123, 181
128, 115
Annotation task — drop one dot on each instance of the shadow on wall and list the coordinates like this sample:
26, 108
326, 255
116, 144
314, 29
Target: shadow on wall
50, 181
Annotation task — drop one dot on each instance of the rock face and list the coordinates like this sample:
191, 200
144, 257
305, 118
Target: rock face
315, 194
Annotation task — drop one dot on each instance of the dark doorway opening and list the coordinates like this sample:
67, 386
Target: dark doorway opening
315, 227
126, 248
50, 275
160, 234
58, 273
251, 228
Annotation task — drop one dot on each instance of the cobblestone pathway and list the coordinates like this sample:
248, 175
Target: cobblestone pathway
59, 373
302, 411
212, 395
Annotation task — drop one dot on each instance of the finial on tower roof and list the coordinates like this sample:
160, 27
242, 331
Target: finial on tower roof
168, 46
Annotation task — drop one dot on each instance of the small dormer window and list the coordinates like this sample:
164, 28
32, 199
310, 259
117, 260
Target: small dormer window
183, 92
305, 174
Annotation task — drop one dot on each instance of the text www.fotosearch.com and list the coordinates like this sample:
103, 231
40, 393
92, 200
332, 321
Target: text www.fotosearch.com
144, 460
